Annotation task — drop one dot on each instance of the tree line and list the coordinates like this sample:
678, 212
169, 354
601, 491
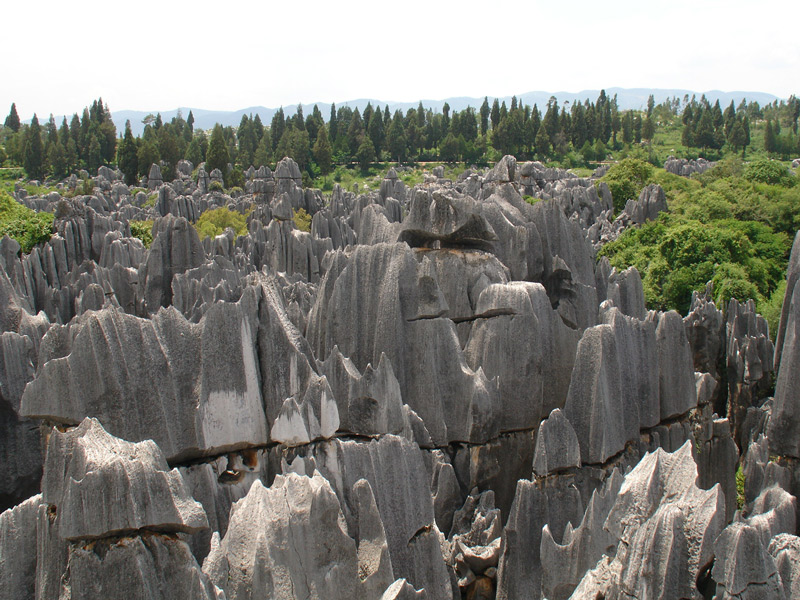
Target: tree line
577, 133
88, 141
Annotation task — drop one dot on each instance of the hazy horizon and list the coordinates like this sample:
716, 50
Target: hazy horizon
170, 55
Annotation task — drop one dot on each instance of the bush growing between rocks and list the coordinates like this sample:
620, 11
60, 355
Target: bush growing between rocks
142, 230
214, 222
302, 220
626, 179
26, 226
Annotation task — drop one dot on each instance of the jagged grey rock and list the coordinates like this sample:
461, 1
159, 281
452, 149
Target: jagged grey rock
18, 549
286, 541
137, 568
368, 404
374, 563
593, 405
677, 392
87, 463
175, 249
665, 525
564, 564
749, 353
400, 483
190, 407
553, 502
315, 416
446, 218
784, 424
624, 289
742, 566
557, 446
785, 551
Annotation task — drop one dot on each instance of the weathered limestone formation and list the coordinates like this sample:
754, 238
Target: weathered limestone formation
433, 393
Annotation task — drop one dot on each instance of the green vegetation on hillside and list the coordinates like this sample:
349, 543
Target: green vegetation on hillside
727, 226
26, 226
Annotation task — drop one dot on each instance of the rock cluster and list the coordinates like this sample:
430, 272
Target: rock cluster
437, 392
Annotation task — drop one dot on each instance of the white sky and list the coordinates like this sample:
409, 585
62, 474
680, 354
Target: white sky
158, 55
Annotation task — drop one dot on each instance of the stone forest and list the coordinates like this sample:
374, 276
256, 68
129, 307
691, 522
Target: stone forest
441, 390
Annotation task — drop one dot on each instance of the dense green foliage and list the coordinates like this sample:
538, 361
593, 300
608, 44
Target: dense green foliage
302, 220
214, 222
723, 227
26, 226
142, 230
626, 179
217, 156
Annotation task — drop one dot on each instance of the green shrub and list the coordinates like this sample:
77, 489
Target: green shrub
214, 222
151, 200
530, 199
142, 230
769, 171
739, 487
26, 226
302, 220
216, 186
676, 255
626, 179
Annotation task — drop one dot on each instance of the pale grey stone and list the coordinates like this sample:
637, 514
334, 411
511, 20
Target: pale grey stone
102, 485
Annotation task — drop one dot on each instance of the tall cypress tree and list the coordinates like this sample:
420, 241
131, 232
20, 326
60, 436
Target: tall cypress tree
12, 120
485, 110
217, 156
323, 151
33, 157
127, 159
769, 138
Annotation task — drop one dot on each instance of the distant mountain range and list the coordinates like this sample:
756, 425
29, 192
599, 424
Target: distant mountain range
627, 98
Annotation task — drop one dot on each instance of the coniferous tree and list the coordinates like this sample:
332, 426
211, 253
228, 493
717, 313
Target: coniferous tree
12, 120
194, 152
190, 121
355, 133
648, 129
494, 115
704, 134
542, 142
770, 144
396, 138
263, 153
376, 131
217, 156
277, 126
258, 128
33, 157
729, 117
333, 126
127, 159
737, 136
365, 154
485, 110
323, 152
